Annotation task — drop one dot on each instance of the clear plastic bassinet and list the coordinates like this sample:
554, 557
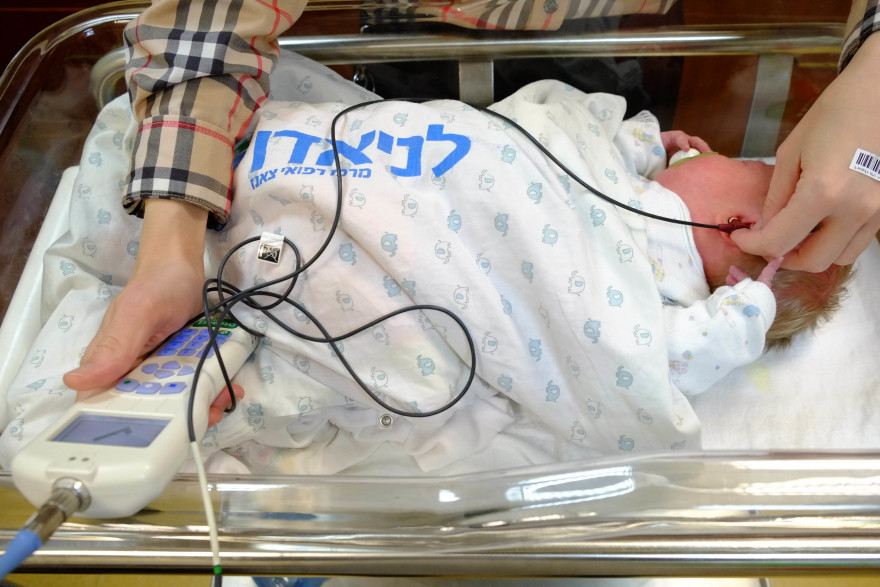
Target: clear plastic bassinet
715, 513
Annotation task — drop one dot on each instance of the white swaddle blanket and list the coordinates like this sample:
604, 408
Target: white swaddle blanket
448, 206
555, 397
444, 205
441, 205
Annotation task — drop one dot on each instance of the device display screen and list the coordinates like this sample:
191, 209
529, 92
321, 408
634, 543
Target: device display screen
112, 430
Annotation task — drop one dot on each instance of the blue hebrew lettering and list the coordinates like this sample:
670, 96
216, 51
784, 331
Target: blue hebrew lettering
385, 142
413, 157
303, 142
462, 147
301, 147
353, 154
259, 148
262, 178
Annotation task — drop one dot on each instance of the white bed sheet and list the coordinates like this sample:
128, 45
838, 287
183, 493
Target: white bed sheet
821, 393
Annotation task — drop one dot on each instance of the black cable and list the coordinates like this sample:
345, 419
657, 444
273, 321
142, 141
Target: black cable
593, 190
229, 295
544, 150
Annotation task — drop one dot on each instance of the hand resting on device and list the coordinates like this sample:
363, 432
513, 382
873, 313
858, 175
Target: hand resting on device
164, 291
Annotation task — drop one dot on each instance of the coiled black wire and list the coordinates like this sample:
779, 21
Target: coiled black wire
230, 296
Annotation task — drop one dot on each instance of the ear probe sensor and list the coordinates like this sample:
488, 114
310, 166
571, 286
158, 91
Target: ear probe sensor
733, 224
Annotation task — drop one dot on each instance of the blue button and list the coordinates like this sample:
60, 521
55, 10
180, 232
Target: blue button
150, 368
149, 388
128, 384
186, 371
165, 352
172, 365
164, 374
172, 388
187, 352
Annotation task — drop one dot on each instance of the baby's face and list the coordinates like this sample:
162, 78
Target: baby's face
715, 189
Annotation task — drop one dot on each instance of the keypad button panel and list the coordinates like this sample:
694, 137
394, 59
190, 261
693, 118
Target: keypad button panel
189, 343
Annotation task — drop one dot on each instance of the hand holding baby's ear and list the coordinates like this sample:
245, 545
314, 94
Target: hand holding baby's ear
677, 140
736, 274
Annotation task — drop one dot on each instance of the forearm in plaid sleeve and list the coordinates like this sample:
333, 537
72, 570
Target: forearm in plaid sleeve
181, 158
197, 72
868, 23
530, 14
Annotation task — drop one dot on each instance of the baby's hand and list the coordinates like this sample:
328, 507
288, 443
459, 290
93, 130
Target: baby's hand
736, 274
222, 403
676, 140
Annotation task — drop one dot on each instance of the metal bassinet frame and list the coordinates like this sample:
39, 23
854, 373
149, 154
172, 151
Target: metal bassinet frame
705, 514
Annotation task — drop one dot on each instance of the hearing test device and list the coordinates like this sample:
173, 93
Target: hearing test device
126, 444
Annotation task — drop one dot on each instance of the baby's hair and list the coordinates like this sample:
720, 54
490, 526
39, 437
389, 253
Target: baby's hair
804, 301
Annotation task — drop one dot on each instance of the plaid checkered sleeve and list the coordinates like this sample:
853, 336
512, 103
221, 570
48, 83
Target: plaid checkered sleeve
514, 14
869, 24
197, 71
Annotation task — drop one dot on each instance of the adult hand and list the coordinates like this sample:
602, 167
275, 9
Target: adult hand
163, 292
818, 211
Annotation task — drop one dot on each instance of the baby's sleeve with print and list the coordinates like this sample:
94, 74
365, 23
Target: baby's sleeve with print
712, 337
640, 144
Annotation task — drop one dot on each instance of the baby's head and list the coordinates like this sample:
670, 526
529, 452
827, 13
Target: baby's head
715, 189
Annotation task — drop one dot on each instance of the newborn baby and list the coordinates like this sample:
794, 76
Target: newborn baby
588, 320
717, 189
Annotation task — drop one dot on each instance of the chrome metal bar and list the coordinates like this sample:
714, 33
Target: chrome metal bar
777, 39
711, 514
673, 515
682, 41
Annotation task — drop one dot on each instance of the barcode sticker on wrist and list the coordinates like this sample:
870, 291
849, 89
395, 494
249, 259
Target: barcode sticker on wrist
866, 163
